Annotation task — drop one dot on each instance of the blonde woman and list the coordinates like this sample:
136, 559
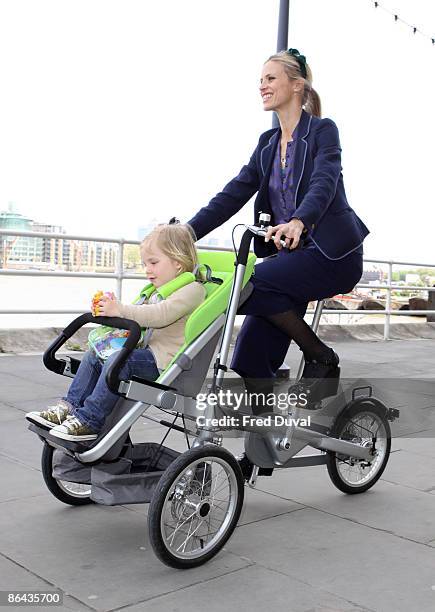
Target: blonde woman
166, 252
296, 172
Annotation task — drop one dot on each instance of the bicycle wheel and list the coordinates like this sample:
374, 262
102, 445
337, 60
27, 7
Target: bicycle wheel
72, 493
195, 507
360, 424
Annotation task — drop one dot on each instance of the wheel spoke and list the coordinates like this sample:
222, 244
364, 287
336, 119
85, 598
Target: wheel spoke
199, 506
361, 430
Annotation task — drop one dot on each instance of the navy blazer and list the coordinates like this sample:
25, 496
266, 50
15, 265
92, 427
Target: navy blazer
320, 197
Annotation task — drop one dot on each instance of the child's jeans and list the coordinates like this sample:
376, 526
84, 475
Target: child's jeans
90, 397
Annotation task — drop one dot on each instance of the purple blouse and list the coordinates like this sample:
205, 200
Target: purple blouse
282, 188
281, 185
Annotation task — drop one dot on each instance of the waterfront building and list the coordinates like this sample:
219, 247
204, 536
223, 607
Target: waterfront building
55, 251
45, 252
18, 249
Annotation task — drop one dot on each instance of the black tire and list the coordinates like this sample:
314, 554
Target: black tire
57, 487
335, 462
178, 492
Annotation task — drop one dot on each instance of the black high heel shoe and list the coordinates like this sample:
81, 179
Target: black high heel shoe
246, 467
319, 380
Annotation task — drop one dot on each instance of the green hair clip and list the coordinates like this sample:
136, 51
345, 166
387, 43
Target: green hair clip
301, 60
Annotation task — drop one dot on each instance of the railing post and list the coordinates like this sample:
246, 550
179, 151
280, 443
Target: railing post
120, 269
388, 302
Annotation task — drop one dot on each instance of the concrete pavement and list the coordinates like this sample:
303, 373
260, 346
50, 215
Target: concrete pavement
301, 545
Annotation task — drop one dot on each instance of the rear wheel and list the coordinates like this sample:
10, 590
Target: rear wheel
364, 424
195, 507
72, 493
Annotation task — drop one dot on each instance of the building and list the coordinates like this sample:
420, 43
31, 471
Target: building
52, 253
371, 276
55, 251
18, 249
144, 230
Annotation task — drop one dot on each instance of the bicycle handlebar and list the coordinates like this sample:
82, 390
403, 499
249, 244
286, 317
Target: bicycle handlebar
58, 365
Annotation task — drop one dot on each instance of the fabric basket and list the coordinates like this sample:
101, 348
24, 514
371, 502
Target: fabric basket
131, 479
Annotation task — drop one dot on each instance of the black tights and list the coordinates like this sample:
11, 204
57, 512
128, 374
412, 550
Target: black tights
312, 347
298, 330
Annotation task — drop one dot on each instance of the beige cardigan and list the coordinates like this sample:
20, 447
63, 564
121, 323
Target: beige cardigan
168, 320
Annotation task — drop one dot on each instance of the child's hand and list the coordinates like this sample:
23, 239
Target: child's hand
108, 306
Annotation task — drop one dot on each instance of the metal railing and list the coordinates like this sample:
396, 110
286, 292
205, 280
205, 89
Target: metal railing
120, 275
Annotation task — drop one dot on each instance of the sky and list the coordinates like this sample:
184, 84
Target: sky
115, 112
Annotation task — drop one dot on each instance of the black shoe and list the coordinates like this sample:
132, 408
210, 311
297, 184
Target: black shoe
246, 466
260, 392
319, 369
320, 379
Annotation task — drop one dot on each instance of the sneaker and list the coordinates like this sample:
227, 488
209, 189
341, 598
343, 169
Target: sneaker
73, 429
52, 416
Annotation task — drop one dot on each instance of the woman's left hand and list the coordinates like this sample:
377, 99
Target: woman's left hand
290, 231
109, 307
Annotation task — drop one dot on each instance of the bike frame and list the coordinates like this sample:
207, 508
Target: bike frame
281, 444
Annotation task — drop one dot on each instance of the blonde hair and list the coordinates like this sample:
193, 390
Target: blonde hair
175, 241
310, 97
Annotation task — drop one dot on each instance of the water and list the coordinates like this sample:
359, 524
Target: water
69, 293
51, 293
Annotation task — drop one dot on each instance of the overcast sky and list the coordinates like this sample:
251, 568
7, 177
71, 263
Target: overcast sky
115, 112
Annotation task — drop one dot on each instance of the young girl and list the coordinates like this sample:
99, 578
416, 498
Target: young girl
166, 252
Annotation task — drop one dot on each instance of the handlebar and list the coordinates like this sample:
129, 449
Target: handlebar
58, 365
245, 243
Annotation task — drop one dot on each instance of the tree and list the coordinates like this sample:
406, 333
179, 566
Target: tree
132, 256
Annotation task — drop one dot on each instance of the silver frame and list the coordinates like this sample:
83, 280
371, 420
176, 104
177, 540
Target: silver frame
282, 447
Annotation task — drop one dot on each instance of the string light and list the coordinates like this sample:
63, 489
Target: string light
414, 28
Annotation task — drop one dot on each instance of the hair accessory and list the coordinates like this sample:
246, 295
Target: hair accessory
301, 59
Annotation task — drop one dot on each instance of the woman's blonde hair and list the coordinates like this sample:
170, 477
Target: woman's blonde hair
310, 98
175, 241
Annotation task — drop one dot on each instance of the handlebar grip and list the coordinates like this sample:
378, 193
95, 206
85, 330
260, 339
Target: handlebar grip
58, 365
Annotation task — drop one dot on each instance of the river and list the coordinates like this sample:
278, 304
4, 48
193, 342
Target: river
41, 293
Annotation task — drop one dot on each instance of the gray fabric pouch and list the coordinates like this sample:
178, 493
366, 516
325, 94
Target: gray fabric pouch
67, 468
133, 478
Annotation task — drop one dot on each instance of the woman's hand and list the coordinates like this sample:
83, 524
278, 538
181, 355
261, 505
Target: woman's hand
108, 307
290, 231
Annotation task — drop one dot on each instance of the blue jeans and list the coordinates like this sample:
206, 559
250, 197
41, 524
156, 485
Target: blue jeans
90, 397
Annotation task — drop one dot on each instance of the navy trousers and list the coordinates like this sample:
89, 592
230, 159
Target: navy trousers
287, 281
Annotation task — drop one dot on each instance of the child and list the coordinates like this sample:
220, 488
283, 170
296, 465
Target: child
166, 252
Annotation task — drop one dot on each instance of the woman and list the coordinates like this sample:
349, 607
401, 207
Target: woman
296, 170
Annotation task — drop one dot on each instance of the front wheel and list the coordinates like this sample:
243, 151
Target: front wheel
72, 493
195, 507
364, 424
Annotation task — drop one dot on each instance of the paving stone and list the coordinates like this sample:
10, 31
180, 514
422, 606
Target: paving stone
19, 481
401, 510
13, 577
268, 588
99, 555
370, 568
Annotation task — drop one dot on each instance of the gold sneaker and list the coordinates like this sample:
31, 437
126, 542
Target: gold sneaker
54, 415
73, 429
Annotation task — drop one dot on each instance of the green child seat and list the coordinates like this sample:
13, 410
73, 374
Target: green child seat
204, 325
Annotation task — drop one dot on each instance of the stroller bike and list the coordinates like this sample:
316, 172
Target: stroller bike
196, 496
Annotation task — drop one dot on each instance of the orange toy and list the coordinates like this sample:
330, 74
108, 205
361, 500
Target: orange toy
96, 299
